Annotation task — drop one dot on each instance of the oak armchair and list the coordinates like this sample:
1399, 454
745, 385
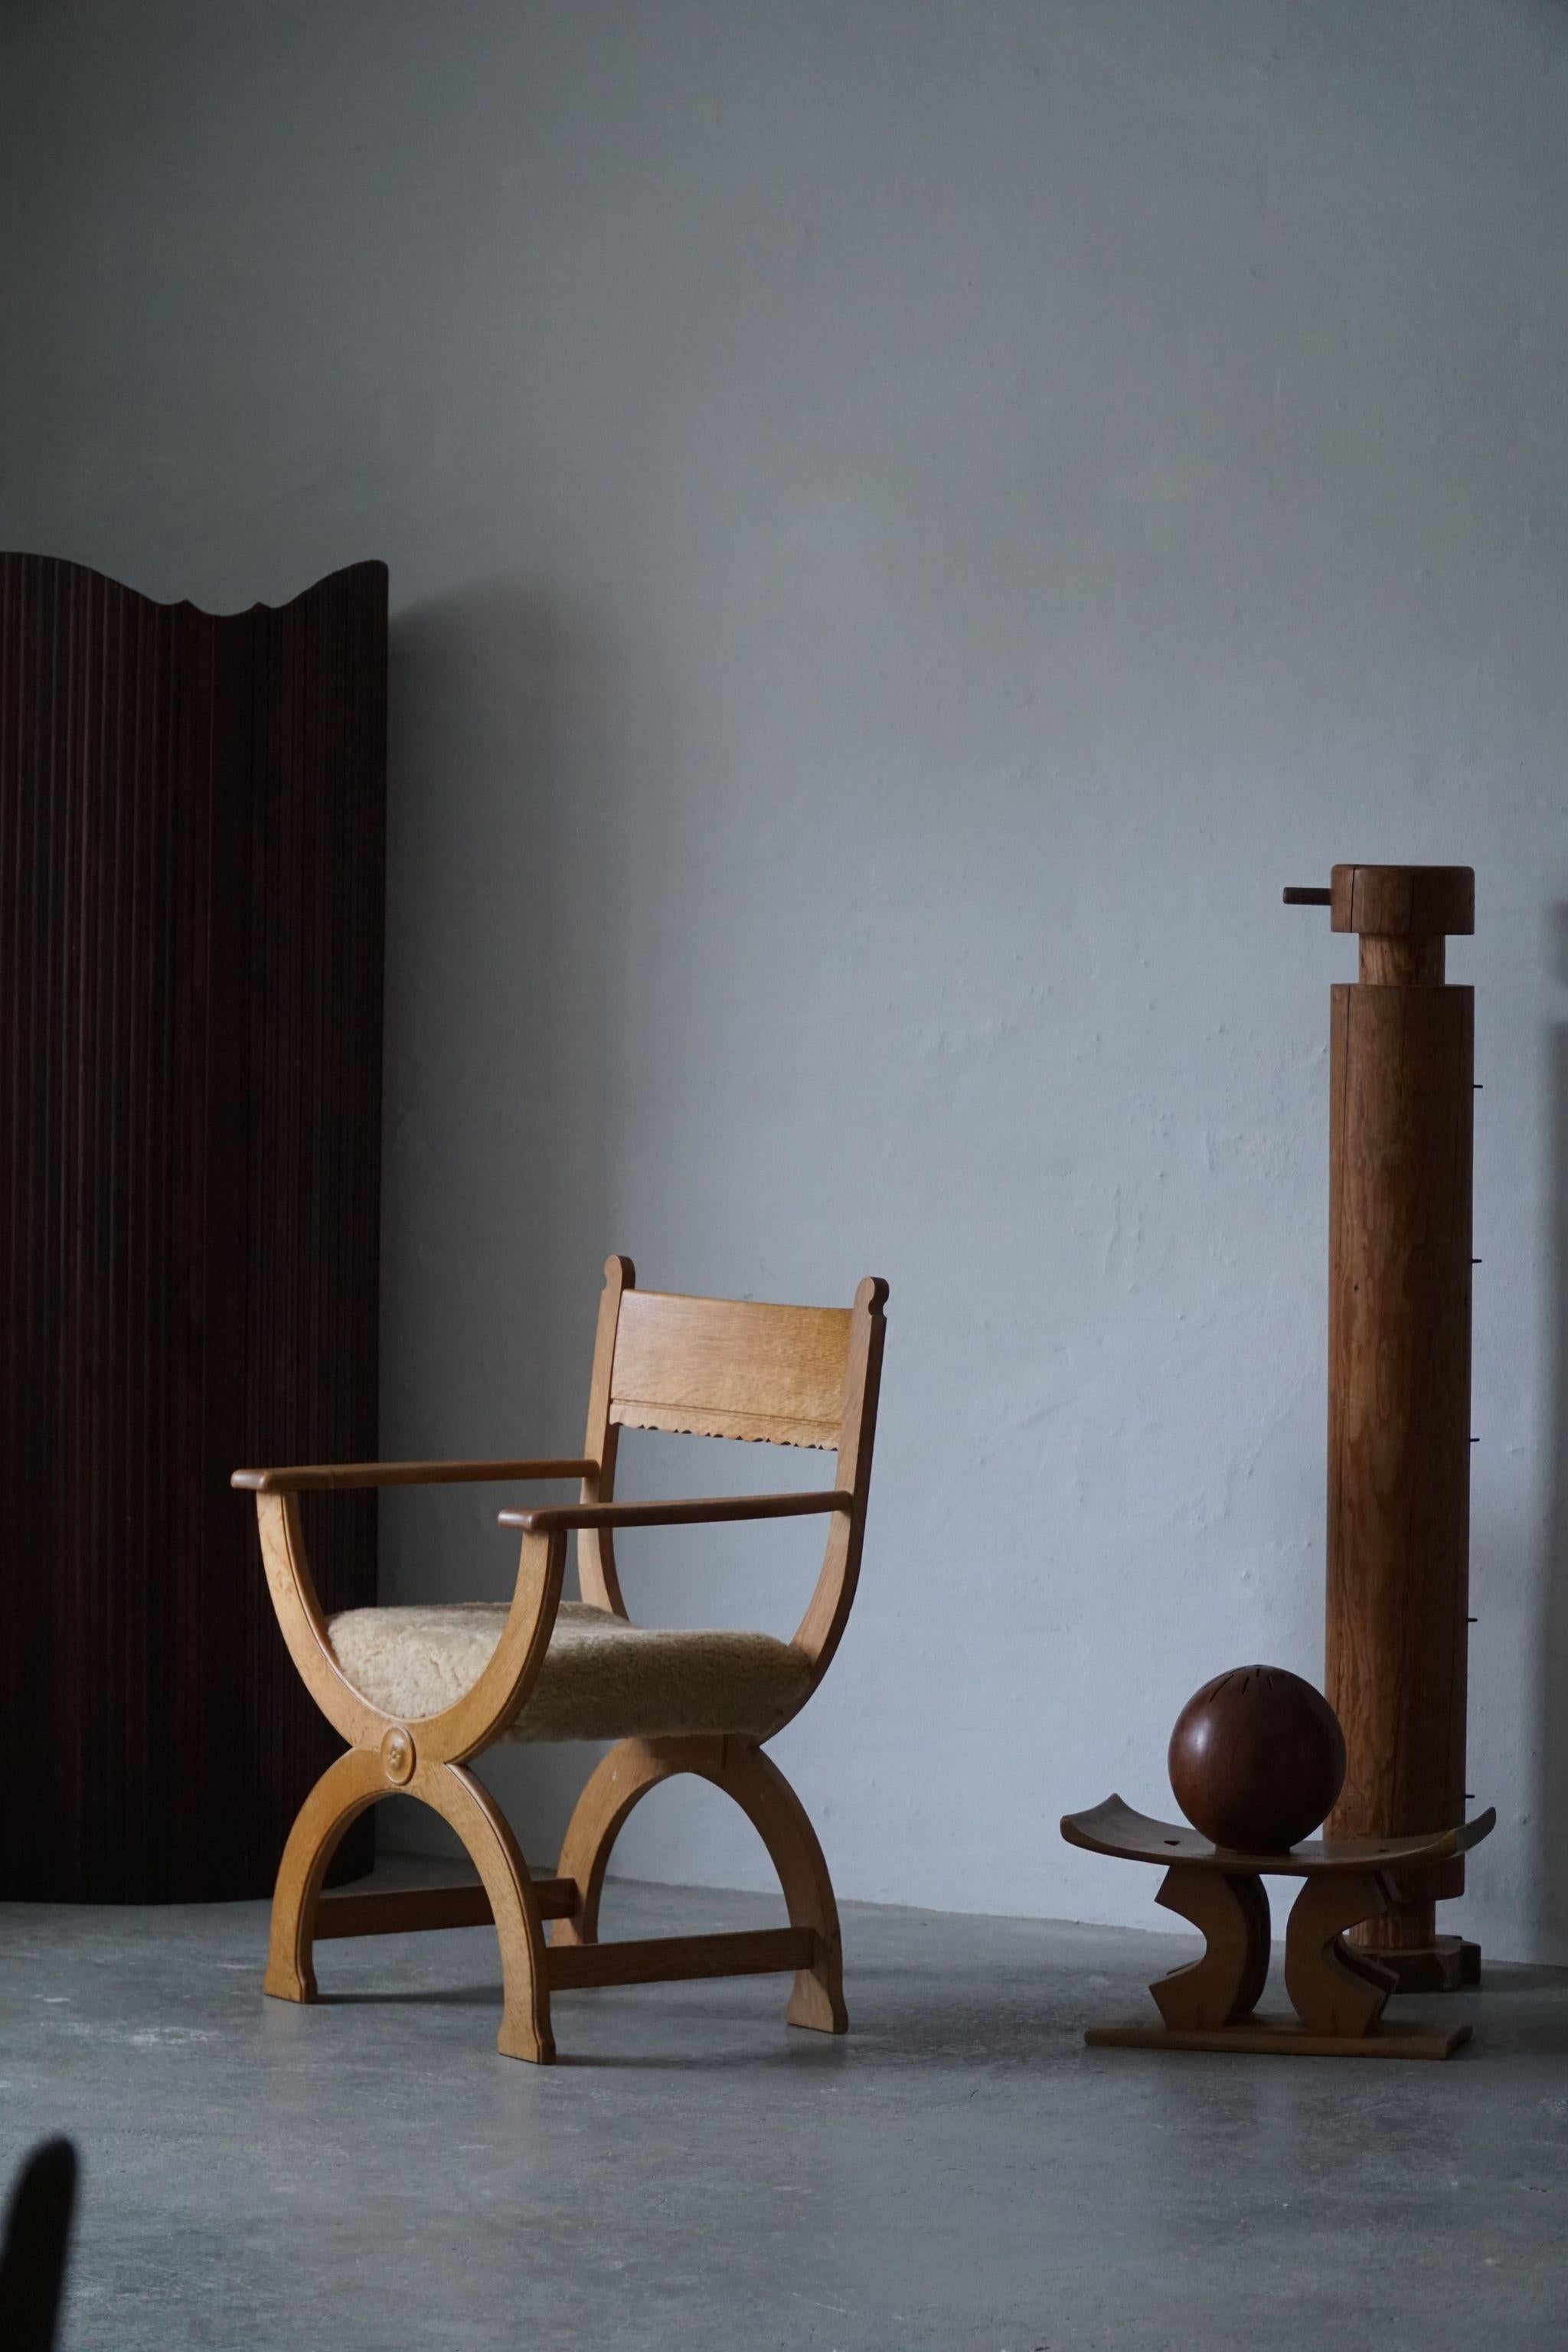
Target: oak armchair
418, 1692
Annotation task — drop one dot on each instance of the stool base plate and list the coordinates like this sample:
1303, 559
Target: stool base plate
1286, 2037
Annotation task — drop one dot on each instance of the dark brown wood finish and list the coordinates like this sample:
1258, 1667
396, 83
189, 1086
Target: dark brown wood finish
1257, 1759
1401, 1094
192, 884
1338, 1995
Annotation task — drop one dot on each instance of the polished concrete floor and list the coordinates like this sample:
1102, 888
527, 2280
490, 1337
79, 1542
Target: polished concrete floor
959, 2172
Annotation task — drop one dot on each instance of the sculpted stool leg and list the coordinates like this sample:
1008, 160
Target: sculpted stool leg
1232, 1915
1333, 1989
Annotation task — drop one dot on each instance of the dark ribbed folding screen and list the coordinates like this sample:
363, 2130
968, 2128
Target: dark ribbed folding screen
192, 870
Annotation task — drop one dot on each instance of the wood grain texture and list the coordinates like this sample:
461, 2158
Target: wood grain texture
347, 1788
1257, 1759
476, 1716
1402, 901
742, 1771
334, 1478
1115, 1828
693, 1511
418, 1910
1400, 1070
729, 1368
596, 1577
667, 1960
1333, 1989
192, 813
1231, 1911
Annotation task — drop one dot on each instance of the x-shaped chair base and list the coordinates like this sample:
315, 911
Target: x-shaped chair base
520, 1904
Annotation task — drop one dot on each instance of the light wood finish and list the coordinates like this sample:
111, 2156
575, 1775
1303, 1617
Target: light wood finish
667, 1960
486, 1835
704, 1510
1401, 1094
597, 1578
473, 1721
828, 1611
729, 1368
1338, 1994
1261, 2036
316, 1478
410, 1910
793, 1375
1231, 1912
344, 1791
740, 1769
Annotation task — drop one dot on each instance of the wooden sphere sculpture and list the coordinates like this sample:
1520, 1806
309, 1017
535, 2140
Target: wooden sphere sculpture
1256, 1759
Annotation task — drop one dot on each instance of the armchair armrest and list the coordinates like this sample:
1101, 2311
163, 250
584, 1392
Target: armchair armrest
554, 1518
323, 1478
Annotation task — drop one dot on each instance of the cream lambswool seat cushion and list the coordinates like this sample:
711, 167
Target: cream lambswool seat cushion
602, 1678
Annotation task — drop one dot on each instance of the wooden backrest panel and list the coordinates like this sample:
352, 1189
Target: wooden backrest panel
729, 1368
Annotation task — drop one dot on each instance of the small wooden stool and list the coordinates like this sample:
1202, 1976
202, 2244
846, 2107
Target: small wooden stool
1338, 1994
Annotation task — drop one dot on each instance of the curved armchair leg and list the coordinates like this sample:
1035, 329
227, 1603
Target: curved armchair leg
472, 1812
740, 1768
344, 1789
761, 1790
631, 1768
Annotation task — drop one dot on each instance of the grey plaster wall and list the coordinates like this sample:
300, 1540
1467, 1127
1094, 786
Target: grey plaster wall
909, 522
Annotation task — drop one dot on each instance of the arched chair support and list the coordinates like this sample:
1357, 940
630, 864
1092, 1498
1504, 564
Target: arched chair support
349, 1786
473, 1813
744, 1772
345, 1788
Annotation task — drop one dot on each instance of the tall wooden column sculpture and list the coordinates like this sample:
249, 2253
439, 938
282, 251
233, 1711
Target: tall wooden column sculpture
1401, 1090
